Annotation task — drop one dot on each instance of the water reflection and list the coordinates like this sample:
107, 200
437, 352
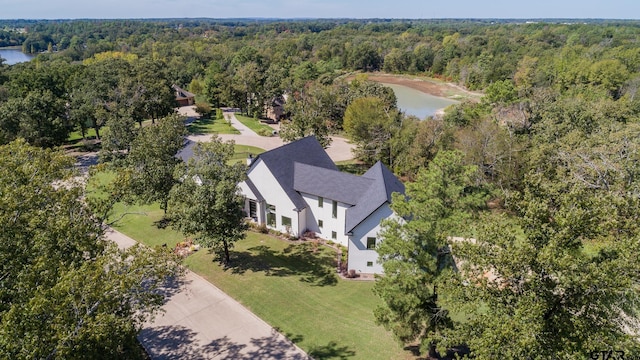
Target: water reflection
414, 102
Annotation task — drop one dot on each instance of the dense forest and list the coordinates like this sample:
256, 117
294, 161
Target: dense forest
543, 172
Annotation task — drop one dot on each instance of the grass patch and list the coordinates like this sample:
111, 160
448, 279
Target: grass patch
241, 152
255, 125
76, 136
211, 126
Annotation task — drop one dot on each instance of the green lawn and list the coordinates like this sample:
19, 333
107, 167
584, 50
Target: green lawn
291, 286
77, 135
211, 126
255, 125
241, 152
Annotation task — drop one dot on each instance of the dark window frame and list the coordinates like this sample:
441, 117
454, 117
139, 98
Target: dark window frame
371, 243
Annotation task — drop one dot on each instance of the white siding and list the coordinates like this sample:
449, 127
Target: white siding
325, 213
358, 253
274, 195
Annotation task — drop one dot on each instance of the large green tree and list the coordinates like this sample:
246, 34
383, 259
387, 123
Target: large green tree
311, 112
546, 292
370, 124
151, 163
206, 203
39, 118
414, 251
66, 292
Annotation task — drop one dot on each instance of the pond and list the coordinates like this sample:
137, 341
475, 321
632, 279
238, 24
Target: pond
417, 103
14, 56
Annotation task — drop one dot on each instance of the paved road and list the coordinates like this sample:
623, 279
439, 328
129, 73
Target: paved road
202, 322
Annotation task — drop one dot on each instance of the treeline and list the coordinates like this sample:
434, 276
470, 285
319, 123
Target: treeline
472, 53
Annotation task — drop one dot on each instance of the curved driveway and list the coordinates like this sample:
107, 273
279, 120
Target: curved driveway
202, 322
339, 150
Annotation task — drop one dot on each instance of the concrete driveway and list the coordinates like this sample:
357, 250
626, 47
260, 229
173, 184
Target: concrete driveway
340, 149
202, 322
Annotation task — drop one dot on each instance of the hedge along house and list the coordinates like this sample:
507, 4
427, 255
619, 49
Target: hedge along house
297, 188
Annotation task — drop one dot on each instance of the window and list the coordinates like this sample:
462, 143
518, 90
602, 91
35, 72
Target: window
320, 201
286, 221
271, 215
371, 243
334, 235
369, 263
320, 223
334, 209
253, 210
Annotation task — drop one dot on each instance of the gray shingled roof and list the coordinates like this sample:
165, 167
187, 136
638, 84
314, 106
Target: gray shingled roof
330, 184
280, 162
186, 152
182, 93
384, 184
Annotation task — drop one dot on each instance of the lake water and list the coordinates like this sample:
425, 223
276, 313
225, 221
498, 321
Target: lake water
14, 56
417, 103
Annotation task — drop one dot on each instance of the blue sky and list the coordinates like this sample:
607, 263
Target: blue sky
73, 9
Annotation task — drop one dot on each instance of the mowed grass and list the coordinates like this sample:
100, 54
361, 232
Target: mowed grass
211, 126
255, 125
75, 136
292, 286
298, 292
242, 152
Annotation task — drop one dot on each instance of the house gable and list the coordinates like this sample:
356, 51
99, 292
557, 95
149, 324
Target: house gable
262, 186
281, 162
379, 193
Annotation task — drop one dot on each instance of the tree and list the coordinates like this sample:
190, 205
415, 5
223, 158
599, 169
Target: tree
311, 114
207, 203
152, 160
547, 296
65, 292
153, 88
248, 82
414, 252
365, 57
371, 125
118, 135
38, 118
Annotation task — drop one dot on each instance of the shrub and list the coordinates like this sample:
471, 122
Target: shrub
264, 132
203, 109
262, 228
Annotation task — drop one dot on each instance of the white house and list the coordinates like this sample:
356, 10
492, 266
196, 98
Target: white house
297, 188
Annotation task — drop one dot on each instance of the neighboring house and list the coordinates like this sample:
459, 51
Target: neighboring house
275, 109
297, 188
183, 97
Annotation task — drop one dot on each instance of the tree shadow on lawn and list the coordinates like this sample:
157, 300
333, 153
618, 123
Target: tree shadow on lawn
199, 126
178, 342
314, 267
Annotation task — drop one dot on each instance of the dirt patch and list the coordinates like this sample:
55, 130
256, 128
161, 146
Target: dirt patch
427, 86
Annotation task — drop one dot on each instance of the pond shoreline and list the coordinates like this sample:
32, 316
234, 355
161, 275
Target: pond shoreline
429, 86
